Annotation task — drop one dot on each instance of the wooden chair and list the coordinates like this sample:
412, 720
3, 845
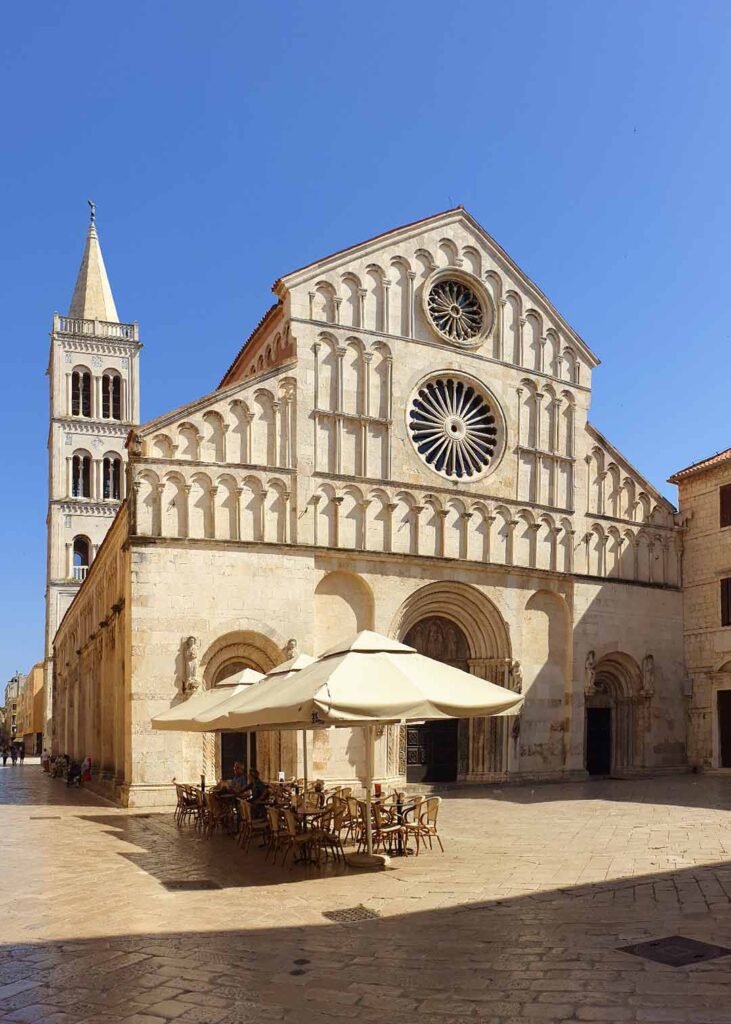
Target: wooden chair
292, 838
274, 833
187, 806
329, 830
353, 821
218, 815
387, 830
424, 828
248, 826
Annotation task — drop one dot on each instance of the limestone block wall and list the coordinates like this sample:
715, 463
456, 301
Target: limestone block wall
622, 625
706, 560
91, 681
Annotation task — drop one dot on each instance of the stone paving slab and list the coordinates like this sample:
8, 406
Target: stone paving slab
520, 920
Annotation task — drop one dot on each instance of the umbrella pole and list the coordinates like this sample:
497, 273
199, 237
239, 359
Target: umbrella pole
369, 738
304, 761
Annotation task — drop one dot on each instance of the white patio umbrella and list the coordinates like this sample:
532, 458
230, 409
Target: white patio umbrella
182, 717
368, 680
216, 717
207, 712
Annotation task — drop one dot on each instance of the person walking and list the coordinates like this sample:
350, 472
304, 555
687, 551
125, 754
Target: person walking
5, 755
14, 754
21, 752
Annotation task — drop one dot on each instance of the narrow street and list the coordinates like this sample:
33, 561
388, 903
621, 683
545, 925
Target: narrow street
519, 920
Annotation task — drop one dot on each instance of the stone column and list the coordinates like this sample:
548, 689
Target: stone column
411, 312
337, 502
442, 514
390, 508
386, 325
367, 360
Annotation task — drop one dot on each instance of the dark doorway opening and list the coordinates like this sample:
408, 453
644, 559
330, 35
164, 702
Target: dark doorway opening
234, 748
599, 741
724, 727
432, 749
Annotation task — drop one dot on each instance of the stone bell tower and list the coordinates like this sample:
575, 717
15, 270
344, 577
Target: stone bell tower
94, 400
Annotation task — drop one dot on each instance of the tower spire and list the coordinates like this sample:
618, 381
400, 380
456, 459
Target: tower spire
92, 298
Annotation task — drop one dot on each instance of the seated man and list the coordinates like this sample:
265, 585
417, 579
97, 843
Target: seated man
73, 777
238, 784
257, 793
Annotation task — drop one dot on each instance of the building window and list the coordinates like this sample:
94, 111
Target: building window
81, 393
725, 503
111, 397
81, 476
112, 477
81, 558
726, 602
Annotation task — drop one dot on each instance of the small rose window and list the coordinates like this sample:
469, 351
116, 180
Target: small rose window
455, 310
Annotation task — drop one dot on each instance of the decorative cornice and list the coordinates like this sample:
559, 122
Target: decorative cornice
81, 507
118, 347
110, 428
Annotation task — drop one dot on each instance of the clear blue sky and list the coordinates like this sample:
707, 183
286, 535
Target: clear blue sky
226, 143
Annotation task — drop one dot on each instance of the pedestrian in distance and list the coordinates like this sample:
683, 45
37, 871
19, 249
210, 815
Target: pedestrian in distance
5, 756
21, 752
14, 754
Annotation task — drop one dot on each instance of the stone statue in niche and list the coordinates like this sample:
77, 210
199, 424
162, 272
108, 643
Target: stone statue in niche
590, 673
516, 676
191, 682
648, 675
290, 649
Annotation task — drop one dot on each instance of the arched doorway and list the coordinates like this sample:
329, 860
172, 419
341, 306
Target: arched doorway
472, 634
228, 655
432, 749
617, 716
235, 746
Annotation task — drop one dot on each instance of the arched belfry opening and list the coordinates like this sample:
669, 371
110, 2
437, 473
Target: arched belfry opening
617, 716
456, 624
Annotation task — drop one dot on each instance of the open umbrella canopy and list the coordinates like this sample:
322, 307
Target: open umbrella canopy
367, 679
215, 717
182, 717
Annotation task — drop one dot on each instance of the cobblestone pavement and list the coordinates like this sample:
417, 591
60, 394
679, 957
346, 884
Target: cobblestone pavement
519, 921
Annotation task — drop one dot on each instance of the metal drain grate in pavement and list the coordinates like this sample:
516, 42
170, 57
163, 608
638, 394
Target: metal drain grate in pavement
349, 914
190, 884
676, 951
45, 817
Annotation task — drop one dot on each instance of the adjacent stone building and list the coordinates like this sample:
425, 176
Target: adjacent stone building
31, 718
94, 399
704, 495
403, 443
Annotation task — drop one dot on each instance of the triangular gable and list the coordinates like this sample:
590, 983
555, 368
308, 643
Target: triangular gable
456, 215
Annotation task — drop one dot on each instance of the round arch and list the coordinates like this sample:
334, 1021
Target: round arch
617, 716
475, 750
618, 675
248, 648
479, 619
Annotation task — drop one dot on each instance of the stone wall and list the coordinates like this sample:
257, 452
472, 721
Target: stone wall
707, 559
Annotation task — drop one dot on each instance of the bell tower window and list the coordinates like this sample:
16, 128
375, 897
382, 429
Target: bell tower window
81, 560
111, 397
81, 476
112, 477
81, 393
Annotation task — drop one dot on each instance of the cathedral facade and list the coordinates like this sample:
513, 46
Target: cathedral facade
402, 444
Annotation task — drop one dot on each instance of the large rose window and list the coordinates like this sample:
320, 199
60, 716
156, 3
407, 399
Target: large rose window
453, 427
